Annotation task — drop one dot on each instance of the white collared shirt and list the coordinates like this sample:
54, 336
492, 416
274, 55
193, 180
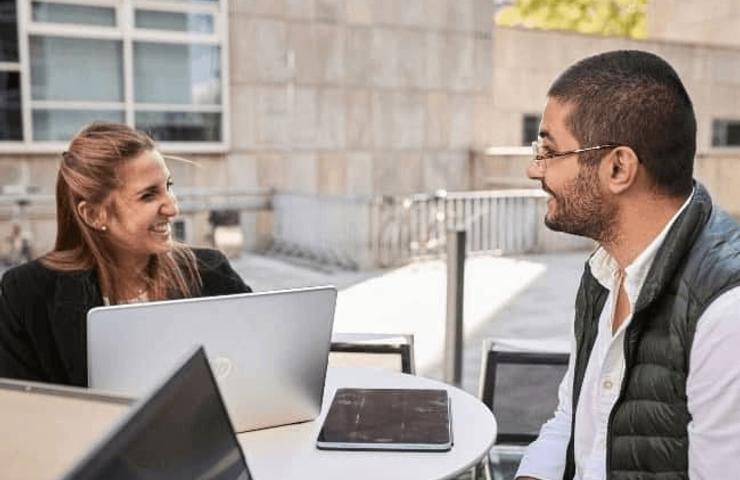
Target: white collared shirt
713, 390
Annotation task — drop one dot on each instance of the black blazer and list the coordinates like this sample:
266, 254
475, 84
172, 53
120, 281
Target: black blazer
43, 316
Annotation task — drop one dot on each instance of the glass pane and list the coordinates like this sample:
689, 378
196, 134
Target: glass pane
8, 32
180, 74
64, 124
725, 133
76, 69
181, 126
11, 126
64, 13
181, 22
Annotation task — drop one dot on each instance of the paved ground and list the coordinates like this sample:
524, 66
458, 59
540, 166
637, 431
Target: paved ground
526, 297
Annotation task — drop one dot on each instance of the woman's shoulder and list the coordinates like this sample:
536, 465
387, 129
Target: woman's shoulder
209, 258
34, 276
30, 273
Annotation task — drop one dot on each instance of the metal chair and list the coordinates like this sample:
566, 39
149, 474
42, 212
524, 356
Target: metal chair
519, 383
389, 351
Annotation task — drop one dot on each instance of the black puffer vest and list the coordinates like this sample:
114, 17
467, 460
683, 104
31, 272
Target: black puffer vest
647, 435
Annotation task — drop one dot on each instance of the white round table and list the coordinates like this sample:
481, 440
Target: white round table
289, 452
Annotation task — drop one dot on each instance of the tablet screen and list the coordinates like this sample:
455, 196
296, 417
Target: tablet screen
387, 419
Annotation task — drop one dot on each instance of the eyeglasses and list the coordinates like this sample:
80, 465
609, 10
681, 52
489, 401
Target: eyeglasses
539, 158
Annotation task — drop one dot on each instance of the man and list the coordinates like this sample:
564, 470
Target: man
653, 386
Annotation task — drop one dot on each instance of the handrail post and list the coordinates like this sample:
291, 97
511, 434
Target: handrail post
455, 289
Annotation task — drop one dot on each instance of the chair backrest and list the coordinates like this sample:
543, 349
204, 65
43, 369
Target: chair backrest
519, 383
389, 351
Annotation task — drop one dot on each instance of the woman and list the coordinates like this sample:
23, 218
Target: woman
114, 245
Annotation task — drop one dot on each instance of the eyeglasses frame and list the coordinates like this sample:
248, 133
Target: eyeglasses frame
539, 160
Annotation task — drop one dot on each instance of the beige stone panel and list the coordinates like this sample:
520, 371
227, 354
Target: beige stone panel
722, 101
719, 173
358, 62
408, 120
330, 48
382, 118
11, 171
461, 122
437, 73
384, 12
331, 133
300, 9
483, 17
439, 169
437, 120
319, 52
435, 14
332, 177
272, 116
42, 172
359, 119
460, 15
359, 173
725, 66
410, 13
243, 171
460, 58
257, 7
411, 48
271, 171
483, 65
359, 12
302, 172
243, 117
329, 10
483, 115
258, 49
396, 173
203, 171
385, 61
303, 43
304, 118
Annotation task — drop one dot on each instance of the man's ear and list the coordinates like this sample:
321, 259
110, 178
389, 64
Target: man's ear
94, 217
622, 166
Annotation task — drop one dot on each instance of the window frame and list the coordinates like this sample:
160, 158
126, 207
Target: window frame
124, 30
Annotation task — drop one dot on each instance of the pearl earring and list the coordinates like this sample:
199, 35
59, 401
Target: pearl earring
104, 228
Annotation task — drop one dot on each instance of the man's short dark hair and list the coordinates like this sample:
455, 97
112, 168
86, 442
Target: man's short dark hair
633, 98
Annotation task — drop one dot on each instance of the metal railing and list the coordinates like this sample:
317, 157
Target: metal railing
382, 231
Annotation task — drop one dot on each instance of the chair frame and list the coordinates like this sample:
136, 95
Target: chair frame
488, 380
363, 343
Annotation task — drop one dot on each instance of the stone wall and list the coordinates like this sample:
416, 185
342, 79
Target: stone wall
358, 96
696, 21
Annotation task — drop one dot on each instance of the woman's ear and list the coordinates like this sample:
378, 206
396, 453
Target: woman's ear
623, 167
93, 216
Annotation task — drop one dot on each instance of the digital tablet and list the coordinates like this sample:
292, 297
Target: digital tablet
387, 419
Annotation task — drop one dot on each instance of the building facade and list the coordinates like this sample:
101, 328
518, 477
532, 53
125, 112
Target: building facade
322, 97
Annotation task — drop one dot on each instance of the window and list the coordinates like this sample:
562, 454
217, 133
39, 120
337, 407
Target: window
154, 64
530, 128
10, 77
726, 133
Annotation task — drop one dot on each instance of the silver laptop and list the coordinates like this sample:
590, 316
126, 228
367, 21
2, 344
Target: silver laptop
45, 428
267, 350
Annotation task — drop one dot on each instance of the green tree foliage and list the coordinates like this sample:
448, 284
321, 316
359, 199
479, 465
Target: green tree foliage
599, 17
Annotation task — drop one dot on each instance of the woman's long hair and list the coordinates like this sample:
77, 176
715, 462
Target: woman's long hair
89, 172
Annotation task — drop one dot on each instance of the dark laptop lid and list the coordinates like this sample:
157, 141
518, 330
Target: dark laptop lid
181, 431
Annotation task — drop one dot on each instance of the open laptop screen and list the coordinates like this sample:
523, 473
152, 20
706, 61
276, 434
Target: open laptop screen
181, 431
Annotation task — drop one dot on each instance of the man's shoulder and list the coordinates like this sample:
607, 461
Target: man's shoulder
714, 263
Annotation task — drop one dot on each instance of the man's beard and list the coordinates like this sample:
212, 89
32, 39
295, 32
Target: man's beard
581, 208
